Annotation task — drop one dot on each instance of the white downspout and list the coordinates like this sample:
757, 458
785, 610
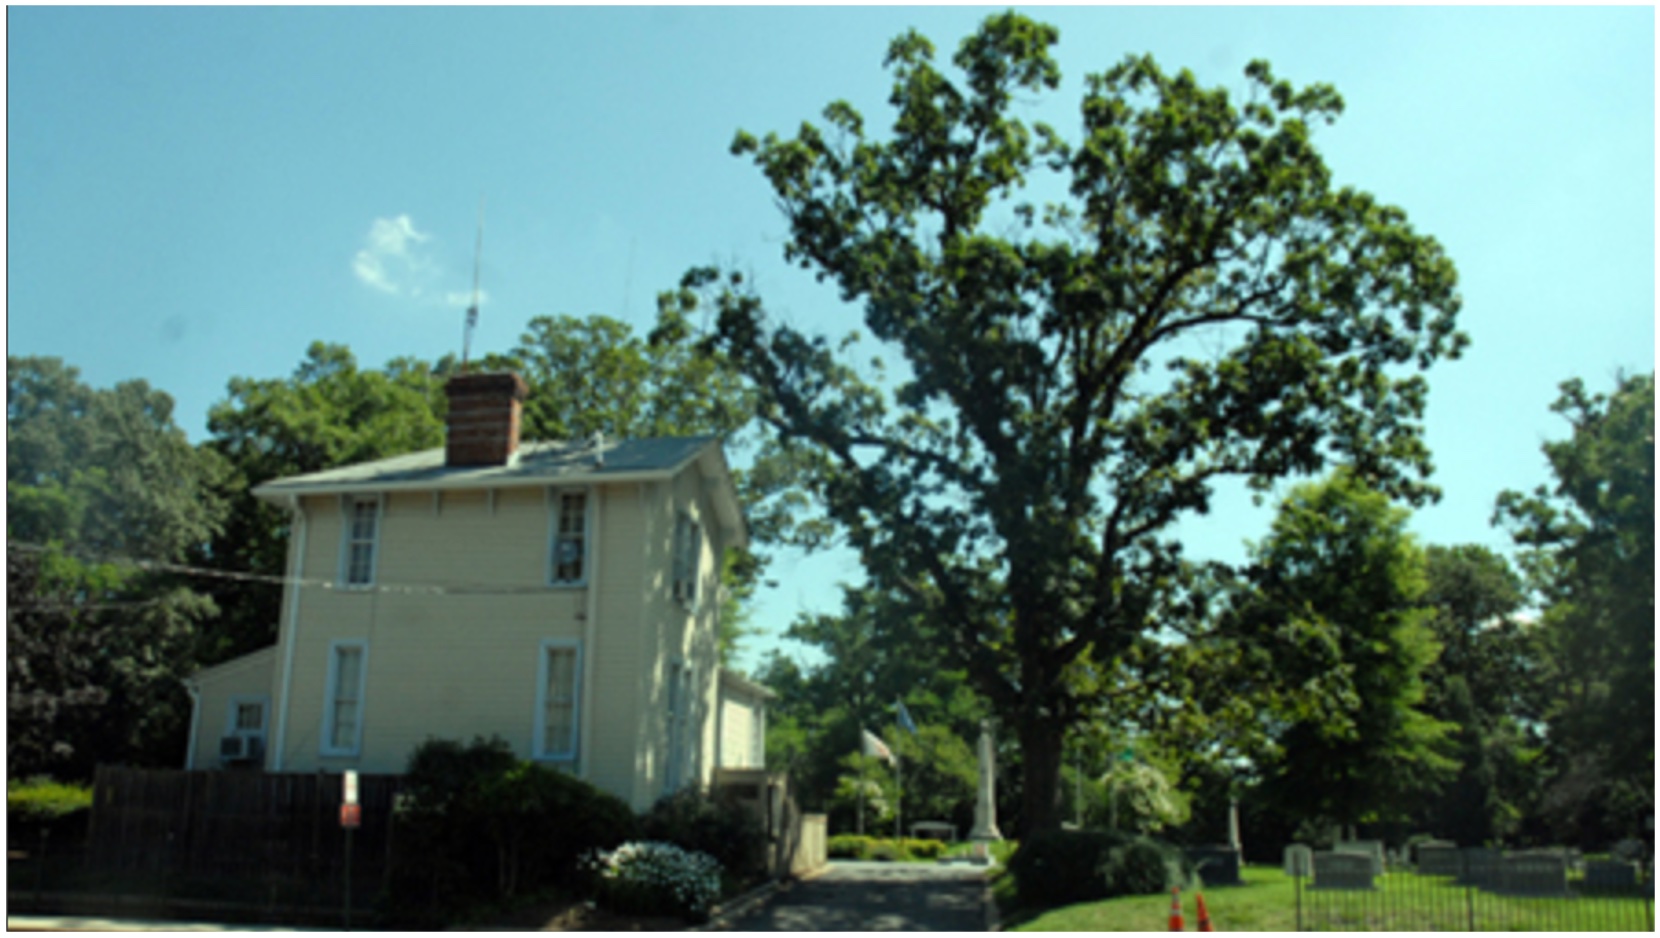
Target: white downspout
195, 721
584, 758
297, 567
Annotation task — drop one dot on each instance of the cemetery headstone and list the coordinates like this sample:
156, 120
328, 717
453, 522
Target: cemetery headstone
1438, 859
1370, 848
1610, 875
1299, 860
1481, 868
1342, 870
1217, 865
1543, 873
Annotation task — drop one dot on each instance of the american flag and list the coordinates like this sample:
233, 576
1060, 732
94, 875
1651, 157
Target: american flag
875, 747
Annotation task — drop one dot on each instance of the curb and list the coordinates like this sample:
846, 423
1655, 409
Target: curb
720, 915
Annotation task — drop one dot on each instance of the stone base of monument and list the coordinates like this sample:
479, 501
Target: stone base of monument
1217, 865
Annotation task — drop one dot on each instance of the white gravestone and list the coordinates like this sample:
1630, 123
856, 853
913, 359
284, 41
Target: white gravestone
1299, 860
1340, 870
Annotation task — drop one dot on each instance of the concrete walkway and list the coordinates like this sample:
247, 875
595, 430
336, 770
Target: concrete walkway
858, 896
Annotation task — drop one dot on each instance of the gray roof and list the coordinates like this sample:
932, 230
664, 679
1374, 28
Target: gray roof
535, 463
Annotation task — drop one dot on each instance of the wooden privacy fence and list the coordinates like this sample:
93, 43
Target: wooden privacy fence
271, 839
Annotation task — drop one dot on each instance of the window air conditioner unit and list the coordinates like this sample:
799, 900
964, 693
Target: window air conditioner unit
241, 748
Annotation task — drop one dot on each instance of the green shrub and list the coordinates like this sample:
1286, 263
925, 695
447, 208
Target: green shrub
655, 878
720, 827
43, 805
1053, 868
475, 825
846, 847
1143, 867
924, 849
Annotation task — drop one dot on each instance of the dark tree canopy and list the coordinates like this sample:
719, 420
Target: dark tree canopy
101, 488
1056, 414
1590, 553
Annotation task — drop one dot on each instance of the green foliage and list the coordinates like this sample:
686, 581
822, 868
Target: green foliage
1061, 867
1589, 543
653, 878
720, 827
97, 482
41, 807
847, 846
477, 825
1138, 797
1143, 867
38, 799
876, 651
1339, 586
1020, 482
1487, 682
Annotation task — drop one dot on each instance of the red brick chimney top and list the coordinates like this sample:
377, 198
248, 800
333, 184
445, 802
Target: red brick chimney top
483, 421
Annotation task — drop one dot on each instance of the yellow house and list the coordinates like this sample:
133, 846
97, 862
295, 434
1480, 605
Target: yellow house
560, 595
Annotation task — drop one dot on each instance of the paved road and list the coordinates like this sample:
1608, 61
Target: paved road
853, 896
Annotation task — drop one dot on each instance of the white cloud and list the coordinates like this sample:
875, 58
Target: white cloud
390, 260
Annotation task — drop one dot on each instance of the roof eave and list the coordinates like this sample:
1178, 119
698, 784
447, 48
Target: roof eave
278, 493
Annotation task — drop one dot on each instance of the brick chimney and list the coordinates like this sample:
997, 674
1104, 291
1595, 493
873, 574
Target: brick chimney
484, 418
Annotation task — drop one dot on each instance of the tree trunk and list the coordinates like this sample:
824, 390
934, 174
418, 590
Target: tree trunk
1040, 796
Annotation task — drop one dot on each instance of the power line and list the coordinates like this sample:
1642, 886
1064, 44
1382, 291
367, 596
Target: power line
416, 589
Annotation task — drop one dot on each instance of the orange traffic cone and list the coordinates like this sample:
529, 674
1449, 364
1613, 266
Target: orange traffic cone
1203, 913
1176, 921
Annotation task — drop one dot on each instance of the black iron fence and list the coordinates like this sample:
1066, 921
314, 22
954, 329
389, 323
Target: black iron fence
1445, 888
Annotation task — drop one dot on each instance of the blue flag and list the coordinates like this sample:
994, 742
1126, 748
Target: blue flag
905, 718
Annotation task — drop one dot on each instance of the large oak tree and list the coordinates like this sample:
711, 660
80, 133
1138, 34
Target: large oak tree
1021, 478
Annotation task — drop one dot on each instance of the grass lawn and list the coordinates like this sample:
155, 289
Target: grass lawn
1404, 902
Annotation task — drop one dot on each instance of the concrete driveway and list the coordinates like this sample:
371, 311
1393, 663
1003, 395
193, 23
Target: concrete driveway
859, 896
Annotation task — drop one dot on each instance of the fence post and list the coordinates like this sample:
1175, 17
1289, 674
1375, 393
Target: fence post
1298, 879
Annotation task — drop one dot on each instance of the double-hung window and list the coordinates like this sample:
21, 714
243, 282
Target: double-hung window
343, 700
558, 700
569, 566
688, 548
362, 530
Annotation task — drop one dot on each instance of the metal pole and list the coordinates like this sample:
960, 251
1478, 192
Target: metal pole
348, 879
898, 800
1298, 879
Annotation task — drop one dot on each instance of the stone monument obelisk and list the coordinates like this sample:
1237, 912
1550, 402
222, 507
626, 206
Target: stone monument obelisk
985, 802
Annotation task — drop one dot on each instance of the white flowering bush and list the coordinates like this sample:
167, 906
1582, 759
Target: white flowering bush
653, 878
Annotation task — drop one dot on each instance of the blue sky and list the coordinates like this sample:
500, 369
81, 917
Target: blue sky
199, 193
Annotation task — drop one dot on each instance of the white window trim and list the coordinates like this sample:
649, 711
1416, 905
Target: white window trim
540, 726
348, 504
325, 746
239, 700
553, 499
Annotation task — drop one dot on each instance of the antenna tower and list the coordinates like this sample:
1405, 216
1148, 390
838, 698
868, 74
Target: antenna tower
472, 311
